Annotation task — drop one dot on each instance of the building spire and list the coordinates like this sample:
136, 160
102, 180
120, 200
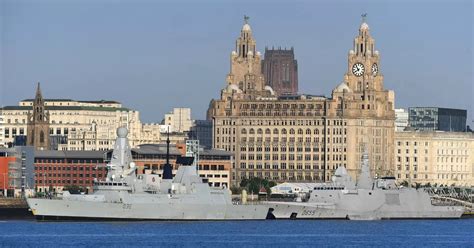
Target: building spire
38, 123
38, 91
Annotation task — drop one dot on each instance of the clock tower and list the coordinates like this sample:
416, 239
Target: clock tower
366, 106
364, 63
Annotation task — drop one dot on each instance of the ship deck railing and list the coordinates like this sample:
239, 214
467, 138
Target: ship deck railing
103, 183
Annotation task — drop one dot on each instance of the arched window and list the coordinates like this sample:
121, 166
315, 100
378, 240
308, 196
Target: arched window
292, 131
251, 131
283, 131
259, 131
244, 131
41, 136
316, 131
308, 131
267, 131
300, 131
275, 131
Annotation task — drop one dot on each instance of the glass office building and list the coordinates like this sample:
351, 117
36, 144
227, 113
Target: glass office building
437, 119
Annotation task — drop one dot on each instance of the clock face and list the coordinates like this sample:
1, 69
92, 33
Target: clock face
358, 69
375, 69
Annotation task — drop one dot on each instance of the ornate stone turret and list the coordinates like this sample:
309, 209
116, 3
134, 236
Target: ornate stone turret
364, 62
245, 79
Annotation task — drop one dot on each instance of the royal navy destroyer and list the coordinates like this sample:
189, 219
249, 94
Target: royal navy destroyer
368, 199
124, 195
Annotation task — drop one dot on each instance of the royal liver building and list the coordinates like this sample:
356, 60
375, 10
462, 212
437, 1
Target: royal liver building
304, 138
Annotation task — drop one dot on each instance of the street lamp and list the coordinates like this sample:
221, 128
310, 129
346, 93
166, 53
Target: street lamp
4, 187
44, 183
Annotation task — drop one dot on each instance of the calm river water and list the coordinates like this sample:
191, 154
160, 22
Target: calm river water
399, 233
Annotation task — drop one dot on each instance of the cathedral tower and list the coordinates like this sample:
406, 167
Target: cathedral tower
38, 124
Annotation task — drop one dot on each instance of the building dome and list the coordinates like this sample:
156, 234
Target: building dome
246, 27
268, 88
342, 88
364, 26
232, 87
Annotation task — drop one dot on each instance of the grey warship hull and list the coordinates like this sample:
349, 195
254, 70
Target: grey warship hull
410, 204
51, 209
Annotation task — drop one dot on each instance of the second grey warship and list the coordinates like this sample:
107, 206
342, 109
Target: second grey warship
123, 195
368, 199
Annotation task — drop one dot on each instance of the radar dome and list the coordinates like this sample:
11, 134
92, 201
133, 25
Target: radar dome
122, 132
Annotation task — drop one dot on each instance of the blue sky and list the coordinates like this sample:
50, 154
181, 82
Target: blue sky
155, 55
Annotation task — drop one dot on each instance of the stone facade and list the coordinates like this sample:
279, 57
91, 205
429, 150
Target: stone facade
305, 138
84, 125
441, 158
179, 120
280, 70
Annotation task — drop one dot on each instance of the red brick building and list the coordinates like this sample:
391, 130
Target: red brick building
56, 169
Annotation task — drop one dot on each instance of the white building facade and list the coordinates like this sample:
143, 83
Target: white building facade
179, 120
2, 129
441, 158
401, 119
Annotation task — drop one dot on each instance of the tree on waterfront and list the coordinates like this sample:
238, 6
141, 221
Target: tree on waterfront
73, 189
254, 184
